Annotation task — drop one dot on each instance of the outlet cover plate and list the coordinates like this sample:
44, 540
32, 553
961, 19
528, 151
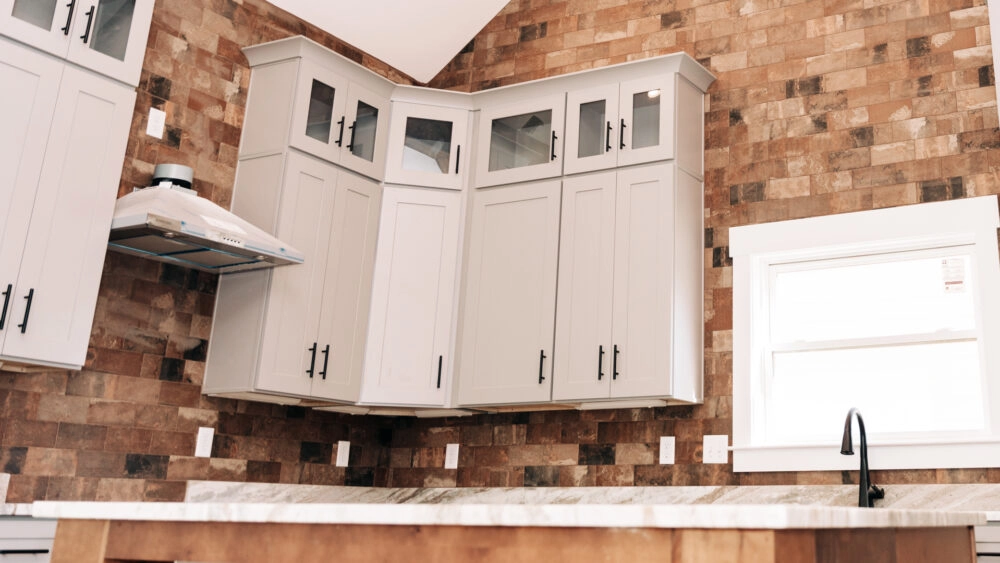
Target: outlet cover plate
666, 450
203, 444
343, 453
715, 448
451, 456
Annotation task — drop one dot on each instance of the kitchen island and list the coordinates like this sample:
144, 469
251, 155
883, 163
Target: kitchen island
92, 532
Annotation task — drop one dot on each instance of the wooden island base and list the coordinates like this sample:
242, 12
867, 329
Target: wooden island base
100, 541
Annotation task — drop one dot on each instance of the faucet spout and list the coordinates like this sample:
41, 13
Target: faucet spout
868, 491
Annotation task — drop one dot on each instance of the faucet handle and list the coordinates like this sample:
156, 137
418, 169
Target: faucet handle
875, 493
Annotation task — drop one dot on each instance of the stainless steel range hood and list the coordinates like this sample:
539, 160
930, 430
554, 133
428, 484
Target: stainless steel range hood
171, 223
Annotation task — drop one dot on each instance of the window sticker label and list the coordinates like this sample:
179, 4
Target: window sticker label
953, 274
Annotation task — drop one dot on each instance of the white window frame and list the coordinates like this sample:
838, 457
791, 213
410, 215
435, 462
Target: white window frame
756, 248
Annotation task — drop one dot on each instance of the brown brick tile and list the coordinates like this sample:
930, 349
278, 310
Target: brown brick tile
26, 488
164, 491
50, 462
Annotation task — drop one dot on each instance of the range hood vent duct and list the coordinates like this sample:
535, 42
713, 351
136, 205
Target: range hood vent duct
169, 222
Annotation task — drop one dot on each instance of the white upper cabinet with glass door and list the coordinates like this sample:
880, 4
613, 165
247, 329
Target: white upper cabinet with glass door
330, 107
520, 141
106, 36
427, 146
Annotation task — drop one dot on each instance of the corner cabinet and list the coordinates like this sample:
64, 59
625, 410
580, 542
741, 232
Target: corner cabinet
297, 332
520, 141
307, 97
510, 295
63, 146
426, 145
106, 36
410, 337
628, 321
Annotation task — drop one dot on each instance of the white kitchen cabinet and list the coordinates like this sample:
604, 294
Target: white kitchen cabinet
298, 331
426, 144
305, 96
509, 311
409, 356
626, 123
629, 318
106, 36
520, 141
63, 141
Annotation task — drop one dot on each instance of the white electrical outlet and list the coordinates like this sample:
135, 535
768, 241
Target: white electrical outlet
157, 121
715, 448
203, 443
343, 453
451, 456
666, 450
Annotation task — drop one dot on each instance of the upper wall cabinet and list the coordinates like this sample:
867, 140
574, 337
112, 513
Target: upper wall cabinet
107, 36
61, 152
520, 141
305, 96
426, 144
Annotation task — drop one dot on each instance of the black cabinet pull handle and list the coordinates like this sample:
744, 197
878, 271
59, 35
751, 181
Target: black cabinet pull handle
90, 20
350, 144
614, 364
27, 310
541, 364
69, 16
340, 137
607, 139
326, 360
600, 362
621, 136
553, 145
23, 551
458, 156
312, 362
6, 302
440, 361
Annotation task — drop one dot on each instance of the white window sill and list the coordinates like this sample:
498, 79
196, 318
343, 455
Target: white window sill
827, 457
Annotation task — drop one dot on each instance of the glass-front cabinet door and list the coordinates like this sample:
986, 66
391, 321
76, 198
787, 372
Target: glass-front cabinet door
365, 134
646, 120
520, 141
620, 124
319, 126
107, 36
426, 146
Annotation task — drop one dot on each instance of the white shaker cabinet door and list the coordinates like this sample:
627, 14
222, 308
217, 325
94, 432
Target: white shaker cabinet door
347, 289
290, 346
109, 37
56, 291
644, 282
584, 350
31, 84
409, 339
43, 24
510, 295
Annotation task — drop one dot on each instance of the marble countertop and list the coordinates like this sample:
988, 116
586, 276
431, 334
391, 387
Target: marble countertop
535, 515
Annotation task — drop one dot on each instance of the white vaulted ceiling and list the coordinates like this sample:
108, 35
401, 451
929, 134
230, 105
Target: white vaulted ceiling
418, 37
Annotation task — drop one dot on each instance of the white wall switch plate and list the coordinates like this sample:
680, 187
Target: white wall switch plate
203, 443
451, 456
156, 122
343, 453
666, 450
715, 448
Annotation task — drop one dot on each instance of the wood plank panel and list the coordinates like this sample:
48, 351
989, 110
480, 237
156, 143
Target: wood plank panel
723, 546
795, 546
856, 546
80, 541
931, 545
294, 543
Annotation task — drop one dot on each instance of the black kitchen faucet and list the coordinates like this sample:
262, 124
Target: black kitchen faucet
869, 492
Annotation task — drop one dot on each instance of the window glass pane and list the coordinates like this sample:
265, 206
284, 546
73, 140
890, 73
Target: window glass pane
320, 117
899, 389
112, 25
910, 296
363, 143
520, 140
427, 146
35, 12
593, 128
646, 119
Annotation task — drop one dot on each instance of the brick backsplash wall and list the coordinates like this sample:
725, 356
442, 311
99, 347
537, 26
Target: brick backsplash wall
124, 427
821, 106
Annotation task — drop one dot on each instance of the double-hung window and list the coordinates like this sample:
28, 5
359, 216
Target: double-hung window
894, 311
